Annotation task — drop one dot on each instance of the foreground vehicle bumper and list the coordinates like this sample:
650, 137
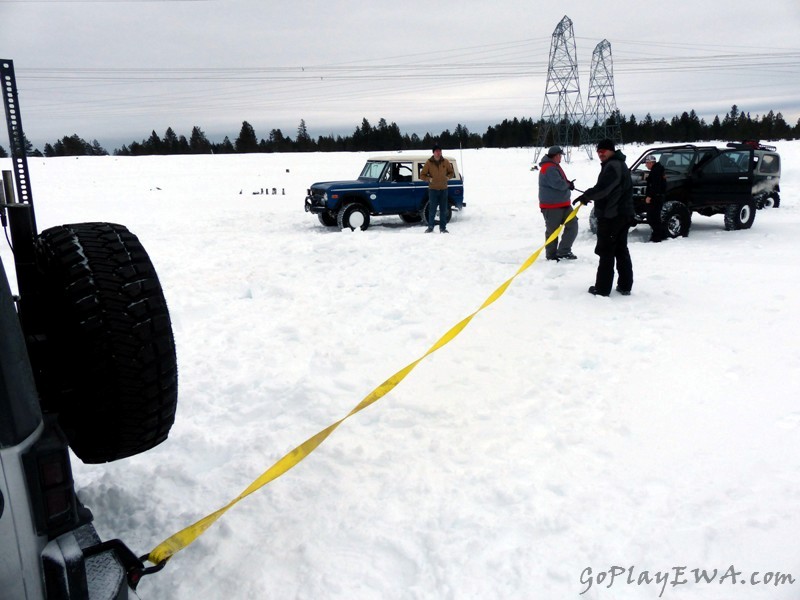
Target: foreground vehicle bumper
71, 566
72, 572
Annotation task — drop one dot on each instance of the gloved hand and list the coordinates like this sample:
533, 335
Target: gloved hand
572, 184
580, 199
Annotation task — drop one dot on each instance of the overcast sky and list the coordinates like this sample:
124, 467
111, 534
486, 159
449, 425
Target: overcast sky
115, 70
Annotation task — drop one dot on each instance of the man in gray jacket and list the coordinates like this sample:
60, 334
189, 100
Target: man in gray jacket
554, 192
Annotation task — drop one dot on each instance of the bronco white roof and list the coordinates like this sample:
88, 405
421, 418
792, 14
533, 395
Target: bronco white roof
406, 157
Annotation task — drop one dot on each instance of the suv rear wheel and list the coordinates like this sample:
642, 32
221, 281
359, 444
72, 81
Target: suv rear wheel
107, 364
424, 212
740, 216
411, 218
772, 200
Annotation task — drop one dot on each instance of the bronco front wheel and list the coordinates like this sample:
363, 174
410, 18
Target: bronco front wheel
327, 218
353, 216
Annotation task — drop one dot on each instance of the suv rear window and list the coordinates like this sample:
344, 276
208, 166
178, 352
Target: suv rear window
729, 162
769, 163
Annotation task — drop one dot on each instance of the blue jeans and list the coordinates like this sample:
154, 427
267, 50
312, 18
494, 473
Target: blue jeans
437, 198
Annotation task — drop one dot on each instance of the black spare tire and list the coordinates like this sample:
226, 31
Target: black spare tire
106, 364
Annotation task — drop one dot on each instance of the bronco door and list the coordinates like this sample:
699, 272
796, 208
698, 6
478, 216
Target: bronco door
398, 190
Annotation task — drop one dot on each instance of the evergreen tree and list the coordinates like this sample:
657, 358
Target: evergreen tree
782, 129
729, 124
461, 135
661, 130
715, 131
29, 150
73, 146
170, 141
360, 137
226, 147
744, 127
153, 145
198, 142
247, 140
96, 149
303, 143
278, 142
183, 145
647, 129
3, 153
447, 140
516, 132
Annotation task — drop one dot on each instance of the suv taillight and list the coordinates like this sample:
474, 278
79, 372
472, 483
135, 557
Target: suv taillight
49, 476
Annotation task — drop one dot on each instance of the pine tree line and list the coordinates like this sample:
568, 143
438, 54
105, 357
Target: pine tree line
688, 127
736, 125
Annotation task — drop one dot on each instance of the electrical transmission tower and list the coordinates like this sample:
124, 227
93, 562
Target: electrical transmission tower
562, 109
602, 117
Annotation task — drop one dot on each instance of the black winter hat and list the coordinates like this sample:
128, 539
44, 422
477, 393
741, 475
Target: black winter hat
436, 147
606, 144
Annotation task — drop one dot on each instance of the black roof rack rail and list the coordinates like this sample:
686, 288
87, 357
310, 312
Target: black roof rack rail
751, 144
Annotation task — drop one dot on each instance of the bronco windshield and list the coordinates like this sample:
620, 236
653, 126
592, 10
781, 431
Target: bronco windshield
373, 169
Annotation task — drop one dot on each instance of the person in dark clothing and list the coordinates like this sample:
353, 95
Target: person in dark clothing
613, 206
654, 197
554, 192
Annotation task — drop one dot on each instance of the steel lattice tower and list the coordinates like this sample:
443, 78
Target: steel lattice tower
562, 109
602, 117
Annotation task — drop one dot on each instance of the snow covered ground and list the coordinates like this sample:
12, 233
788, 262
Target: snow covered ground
558, 433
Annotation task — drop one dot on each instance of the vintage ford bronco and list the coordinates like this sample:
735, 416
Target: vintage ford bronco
388, 185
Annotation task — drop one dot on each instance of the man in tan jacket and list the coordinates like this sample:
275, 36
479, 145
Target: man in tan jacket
437, 172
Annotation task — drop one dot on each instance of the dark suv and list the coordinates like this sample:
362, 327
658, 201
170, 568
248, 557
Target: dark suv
733, 181
87, 362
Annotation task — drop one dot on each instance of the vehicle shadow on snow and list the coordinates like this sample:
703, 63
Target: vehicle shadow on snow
702, 226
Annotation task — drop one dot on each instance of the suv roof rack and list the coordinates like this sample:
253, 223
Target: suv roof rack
751, 144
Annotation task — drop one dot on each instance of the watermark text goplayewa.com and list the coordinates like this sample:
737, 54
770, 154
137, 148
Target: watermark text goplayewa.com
679, 576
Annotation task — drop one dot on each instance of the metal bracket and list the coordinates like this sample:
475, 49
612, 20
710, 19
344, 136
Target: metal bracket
133, 565
19, 209
16, 136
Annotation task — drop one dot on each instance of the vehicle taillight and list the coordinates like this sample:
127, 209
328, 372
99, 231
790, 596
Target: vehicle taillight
56, 484
49, 477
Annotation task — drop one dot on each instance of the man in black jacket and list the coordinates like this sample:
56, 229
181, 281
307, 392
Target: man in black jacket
654, 197
613, 198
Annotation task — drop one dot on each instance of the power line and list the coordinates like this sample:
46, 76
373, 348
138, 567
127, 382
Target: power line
503, 75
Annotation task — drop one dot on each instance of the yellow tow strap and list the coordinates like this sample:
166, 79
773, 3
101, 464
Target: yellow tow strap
177, 542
